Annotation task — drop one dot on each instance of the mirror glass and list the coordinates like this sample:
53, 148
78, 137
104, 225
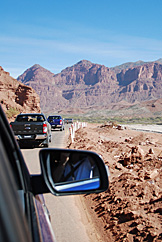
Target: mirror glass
71, 170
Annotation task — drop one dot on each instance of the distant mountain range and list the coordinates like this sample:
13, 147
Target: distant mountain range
129, 90
86, 85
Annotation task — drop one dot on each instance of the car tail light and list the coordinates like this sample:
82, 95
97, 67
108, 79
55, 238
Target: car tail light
44, 128
60, 121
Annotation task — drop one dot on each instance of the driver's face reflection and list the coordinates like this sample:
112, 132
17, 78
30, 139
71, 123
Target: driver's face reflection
71, 167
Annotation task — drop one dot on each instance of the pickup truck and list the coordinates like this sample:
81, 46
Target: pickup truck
32, 128
56, 121
68, 121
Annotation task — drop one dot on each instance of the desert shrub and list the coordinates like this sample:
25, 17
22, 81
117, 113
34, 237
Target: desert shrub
12, 112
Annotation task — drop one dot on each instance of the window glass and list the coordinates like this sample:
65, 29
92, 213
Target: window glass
30, 118
10, 152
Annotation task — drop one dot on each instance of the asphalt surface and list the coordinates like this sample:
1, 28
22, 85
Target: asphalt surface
145, 127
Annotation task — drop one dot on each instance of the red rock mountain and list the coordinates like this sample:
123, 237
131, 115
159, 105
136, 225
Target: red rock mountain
15, 95
86, 84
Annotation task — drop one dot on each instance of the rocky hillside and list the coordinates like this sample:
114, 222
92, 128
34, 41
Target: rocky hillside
88, 85
15, 97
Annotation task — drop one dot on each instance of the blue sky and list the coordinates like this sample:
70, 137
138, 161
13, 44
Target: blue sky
58, 34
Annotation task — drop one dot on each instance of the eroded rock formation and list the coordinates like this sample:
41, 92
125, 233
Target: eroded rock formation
15, 95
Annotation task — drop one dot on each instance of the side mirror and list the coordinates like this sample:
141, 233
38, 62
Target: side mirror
73, 171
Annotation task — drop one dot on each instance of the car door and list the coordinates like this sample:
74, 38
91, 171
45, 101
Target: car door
23, 216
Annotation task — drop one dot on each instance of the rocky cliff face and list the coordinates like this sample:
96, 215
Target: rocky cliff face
86, 84
16, 95
141, 83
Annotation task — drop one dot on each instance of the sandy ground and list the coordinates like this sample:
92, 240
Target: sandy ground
131, 210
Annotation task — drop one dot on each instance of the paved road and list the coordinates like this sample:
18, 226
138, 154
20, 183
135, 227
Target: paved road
67, 213
145, 127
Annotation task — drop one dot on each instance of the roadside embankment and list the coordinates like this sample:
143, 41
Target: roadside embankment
131, 210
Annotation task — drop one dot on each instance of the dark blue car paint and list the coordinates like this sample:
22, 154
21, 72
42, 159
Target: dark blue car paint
56, 121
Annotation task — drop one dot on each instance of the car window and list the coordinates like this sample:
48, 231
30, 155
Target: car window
11, 155
30, 118
14, 158
16, 189
54, 117
13, 222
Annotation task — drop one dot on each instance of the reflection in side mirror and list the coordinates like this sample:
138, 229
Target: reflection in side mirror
69, 171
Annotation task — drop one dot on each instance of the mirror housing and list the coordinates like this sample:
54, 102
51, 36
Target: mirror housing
69, 172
